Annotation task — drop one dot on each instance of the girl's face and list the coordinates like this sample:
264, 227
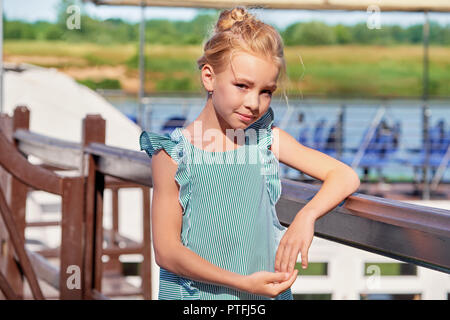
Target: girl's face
243, 89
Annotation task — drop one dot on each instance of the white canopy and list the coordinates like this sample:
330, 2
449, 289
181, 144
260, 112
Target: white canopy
58, 105
384, 5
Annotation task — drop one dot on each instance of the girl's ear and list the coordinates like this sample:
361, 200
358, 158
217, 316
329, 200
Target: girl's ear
208, 77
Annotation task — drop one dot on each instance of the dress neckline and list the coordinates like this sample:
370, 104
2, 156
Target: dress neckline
205, 151
264, 122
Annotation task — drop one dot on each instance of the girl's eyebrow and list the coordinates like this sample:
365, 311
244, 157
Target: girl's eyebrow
273, 86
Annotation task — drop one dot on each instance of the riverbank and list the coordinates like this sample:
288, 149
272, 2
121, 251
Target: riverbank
351, 70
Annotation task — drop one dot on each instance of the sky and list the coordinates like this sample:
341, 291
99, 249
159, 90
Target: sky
34, 10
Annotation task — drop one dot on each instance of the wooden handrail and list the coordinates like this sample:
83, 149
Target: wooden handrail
19, 247
71, 190
6, 289
406, 232
45, 148
122, 163
44, 269
113, 162
30, 175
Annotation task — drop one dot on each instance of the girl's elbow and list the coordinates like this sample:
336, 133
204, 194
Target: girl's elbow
164, 255
356, 182
159, 260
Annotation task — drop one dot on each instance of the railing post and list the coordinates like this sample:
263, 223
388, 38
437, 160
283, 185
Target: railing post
16, 195
5, 128
426, 145
339, 147
94, 127
113, 266
146, 261
72, 232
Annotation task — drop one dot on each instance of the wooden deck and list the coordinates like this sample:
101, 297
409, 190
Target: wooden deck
114, 286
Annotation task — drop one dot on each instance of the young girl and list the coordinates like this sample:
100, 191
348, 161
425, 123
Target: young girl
215, 231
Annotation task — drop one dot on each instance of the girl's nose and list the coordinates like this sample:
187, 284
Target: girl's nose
252, 102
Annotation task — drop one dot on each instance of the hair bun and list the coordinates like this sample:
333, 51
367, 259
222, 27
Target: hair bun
239, 14
229, 17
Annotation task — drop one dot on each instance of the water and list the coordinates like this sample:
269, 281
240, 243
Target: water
358, 115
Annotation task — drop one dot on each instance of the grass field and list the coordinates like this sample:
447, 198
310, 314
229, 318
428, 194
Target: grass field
363, 71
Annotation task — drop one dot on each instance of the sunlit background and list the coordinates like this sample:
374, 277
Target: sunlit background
356, 91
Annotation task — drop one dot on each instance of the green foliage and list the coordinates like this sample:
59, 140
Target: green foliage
343, 34
314, 269
318, 33
311, 33
101, 84
194, 32
19, 30
389, 269
176, 85
162, 64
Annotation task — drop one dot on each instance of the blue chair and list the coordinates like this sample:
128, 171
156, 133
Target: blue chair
375, 154
381, 149
173, 123
319, 135
303, 136
438, 142
325, 143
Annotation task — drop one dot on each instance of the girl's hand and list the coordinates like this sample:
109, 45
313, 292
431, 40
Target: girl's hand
269, 284
297, 238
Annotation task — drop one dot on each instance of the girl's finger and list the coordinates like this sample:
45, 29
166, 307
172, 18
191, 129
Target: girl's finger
292, 260
304, 258
285, 258
278, 257
278, 277
288, 283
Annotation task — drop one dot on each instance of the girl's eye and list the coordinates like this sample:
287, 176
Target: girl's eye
243, 86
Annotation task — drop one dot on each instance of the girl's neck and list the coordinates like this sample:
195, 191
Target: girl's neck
209, 120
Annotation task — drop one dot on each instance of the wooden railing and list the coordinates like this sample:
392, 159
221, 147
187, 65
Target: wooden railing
406, 232
82, 233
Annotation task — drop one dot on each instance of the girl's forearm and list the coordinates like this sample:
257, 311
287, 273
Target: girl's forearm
336, 187
186, 263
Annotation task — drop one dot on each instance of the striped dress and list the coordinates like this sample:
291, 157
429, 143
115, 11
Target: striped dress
228, 200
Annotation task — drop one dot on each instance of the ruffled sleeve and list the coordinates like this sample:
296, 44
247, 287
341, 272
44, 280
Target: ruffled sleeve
152, 142
174, 145
270, 169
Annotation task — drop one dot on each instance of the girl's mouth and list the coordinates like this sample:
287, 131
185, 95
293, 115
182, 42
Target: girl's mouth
245, 118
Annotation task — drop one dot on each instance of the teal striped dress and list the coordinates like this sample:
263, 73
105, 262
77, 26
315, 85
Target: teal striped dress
228, 200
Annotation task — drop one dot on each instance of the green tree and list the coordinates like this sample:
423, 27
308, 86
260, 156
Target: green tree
361, 33
343, 34
18, 30
414, 33
311, 33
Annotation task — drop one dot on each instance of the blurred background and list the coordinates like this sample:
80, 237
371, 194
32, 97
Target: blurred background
337, 63
368, 87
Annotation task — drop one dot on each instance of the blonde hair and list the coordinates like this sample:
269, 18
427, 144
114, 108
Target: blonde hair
238, 30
